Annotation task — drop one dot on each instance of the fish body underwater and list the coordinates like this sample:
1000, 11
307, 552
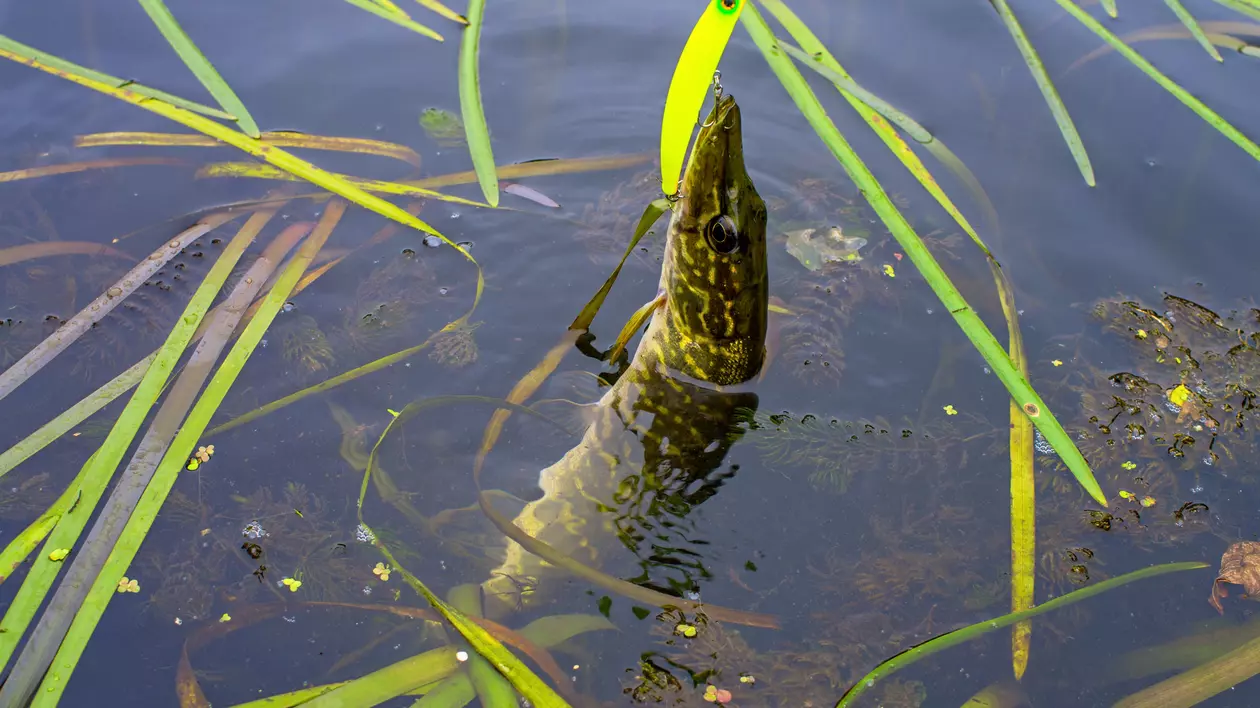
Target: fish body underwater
655, 438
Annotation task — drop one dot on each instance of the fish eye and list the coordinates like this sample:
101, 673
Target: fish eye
721, 234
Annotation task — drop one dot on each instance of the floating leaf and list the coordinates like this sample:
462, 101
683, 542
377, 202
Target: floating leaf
1240, 565
531, 194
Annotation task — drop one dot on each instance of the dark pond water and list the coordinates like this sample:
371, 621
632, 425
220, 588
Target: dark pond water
863, 515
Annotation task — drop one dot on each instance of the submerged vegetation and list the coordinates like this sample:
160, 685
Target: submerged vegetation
1155, 436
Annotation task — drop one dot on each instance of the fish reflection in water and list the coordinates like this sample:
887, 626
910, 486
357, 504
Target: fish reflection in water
654, 444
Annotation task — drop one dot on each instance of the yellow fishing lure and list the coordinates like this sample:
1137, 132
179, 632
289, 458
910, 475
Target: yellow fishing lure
693, 73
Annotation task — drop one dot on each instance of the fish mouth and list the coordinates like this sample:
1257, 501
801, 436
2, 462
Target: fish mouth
718, 156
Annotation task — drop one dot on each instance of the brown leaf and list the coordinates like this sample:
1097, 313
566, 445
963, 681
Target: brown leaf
1240, 565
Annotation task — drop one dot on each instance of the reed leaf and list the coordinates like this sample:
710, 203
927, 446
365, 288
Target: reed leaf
44, 249
1110, 7
968, 320
443, 10
1192, 687
402, 20
821, 57
18, 49
473, 113
278, 138
72, 329
455, 691
1201, 109
489, 686
1215, 31
155, 493
1241, 6
84, 166
257, 171
108, 528
958, 636
393, 680
693, 72
20, 548
1193, 26
199, 65
105, 462
1048, 91
1023, 493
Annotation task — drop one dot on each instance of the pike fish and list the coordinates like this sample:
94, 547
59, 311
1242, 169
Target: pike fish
654, 441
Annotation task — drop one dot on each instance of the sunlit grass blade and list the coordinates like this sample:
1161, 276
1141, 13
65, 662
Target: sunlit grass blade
279, 138
199, 64
110, 391
1048, 91
1201, 109
18, 49
1200, 683
533, 168
402, 20
958, 636
1241, 6
272, 155
1109, 6
821, 57
1023, 491
1193, 26
72, 329
490, 687
22, 545
105, 462
44, 249
1215, 31
259, 171
470, 106
154, 495
393, 680
966, 317
443, 10
693, 72
84, 166
152, 448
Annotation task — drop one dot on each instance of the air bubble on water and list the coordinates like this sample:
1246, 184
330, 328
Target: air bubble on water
466, 245
379, 127
930, 310
253, 530
454, 215
263, 343
288, 307
693, 595
1152, 162
1196, 489
367, 589
1040, 444
987, 370
432, 241
443, 290
1207, 460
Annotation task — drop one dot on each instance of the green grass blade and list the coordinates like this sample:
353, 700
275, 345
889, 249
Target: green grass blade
443, 10
1023, 490
199, 65
105, 533
1240, 6
470, 106
1193, 25
72, 329
138, 525
1110, 7
74, 415
958, 636
1048, 91
971, 324
1200, 683
493, 690
885, 109
400, 20
455, 691
25, 542
1212, 117
386, 683
60, 64
103, 465
815, 49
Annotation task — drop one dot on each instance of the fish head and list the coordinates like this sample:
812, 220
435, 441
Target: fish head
714, 275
